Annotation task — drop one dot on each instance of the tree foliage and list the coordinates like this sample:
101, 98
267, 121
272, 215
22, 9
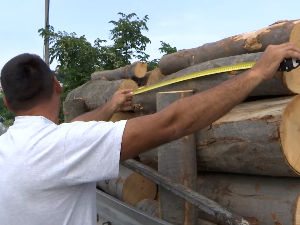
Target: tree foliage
77, 58
128, 38
5, 113
165, 48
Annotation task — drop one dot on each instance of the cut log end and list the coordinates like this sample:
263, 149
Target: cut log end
128, 84
290, 133
145, 189
292, 78
140, 69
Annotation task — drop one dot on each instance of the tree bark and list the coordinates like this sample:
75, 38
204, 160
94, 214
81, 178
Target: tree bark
283, 83
95, 93
73, 108
260, 137
260, 199
256, 41
133, 71
129, 187
177, 160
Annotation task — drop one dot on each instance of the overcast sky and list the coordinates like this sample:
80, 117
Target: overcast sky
182, 24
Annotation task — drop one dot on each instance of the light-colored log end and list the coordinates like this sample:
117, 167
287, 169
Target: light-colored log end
290, 133
128, 84
137, 188
292, 78
140, 69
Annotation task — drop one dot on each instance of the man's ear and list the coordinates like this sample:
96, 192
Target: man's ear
57, 86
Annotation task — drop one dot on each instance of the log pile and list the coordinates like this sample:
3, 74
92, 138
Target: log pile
248, 160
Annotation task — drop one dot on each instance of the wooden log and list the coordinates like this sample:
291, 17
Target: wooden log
260, 199
177, 160
135, 70
73, 108
254, 138
149, 206
283, 83
256, 41
151, 77
155, 76
259, 137
129, 187
211, 208
142, 81
95, 93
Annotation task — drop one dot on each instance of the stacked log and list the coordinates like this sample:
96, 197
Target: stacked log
129, 187
283, 83
257, 41
254, 138
96, 93
260, 199
134, 71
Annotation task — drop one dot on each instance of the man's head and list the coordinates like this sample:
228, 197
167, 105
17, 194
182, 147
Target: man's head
26, 82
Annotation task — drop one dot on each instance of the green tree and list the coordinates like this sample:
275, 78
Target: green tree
76, 57
166, 48
128, 38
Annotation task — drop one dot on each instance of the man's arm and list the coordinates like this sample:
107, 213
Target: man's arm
194, 113
119, 100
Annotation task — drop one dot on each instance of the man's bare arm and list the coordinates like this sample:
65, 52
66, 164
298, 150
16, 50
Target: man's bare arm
194, 113
120, 100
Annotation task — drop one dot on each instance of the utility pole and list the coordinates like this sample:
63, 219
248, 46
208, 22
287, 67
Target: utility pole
46, 41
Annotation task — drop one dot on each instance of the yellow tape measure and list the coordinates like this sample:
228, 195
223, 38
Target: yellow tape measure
240, 66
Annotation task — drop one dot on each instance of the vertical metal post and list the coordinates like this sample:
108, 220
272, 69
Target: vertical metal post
46, 41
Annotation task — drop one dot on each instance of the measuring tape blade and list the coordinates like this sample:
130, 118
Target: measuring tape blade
240, 66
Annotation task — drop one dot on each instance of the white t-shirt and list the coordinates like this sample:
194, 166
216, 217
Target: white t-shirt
48, 171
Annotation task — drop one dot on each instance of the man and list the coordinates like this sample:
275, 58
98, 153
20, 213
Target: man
48, 171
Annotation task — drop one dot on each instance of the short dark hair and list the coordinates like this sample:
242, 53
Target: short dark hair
26, 81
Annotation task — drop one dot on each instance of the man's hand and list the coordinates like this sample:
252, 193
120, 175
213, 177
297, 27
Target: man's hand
269, 62
120, 100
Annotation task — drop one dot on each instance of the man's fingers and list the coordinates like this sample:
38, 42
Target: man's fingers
128, 95
125, 91
292, 54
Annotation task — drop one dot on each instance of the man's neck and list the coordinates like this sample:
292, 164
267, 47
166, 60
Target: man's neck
41, 110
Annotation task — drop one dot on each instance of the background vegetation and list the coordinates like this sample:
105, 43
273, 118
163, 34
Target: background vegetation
77, 58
